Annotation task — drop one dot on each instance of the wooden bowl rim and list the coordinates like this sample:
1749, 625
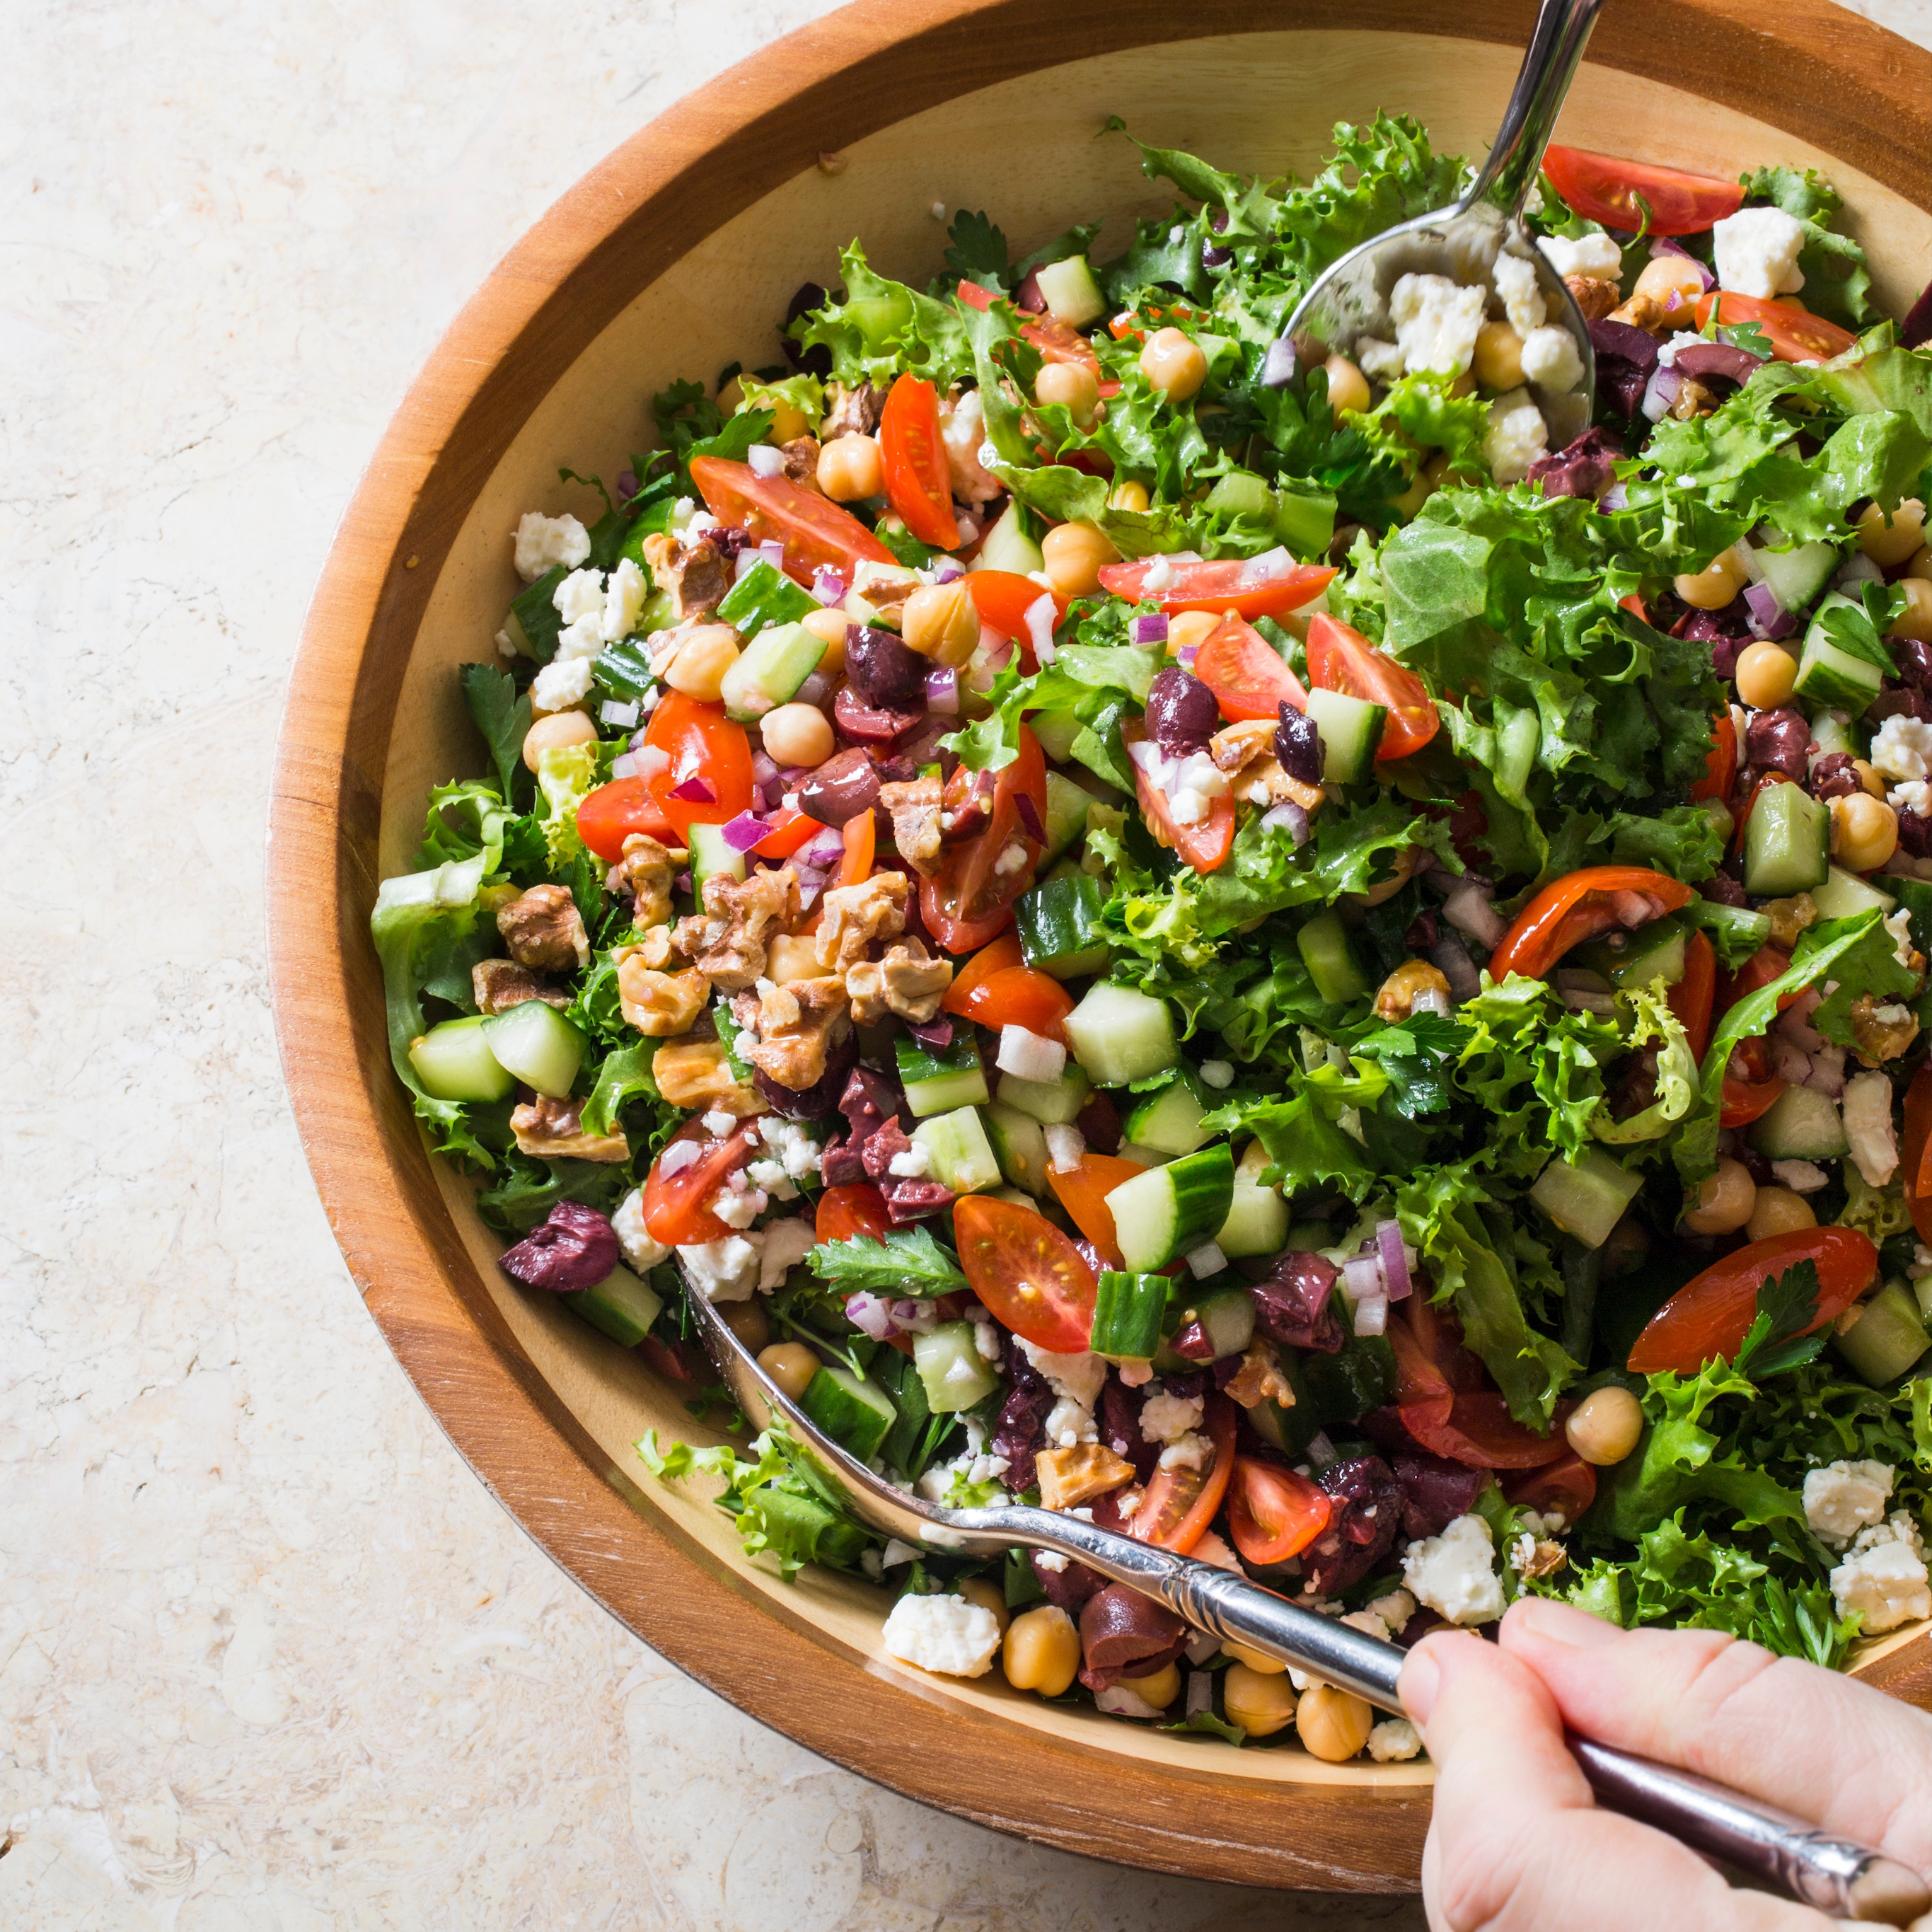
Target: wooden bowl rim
713, 153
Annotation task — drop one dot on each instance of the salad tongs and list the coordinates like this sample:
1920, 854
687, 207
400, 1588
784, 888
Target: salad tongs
1835, 1874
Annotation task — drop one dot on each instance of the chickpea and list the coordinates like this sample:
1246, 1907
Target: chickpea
789, 422
851, 466
1765, 674
1190, 630
1261, 1703
1779, 1211
988, 1595
791, 1364
939, 621
1071, 386
551, 733
748, 1321
1333, 1724
1174, 364
1920, 565
1158, 1687
1891, 540
1421, 489
1605, 1426
1713, 587
1130, 496
1915, 619
1442, 473
1869, 779
832, 625
1348, 387
1668, 280
702, 660
1498, 363
1724, 1202
731, 397
1263, 1666
1041, 1651
1074, 553
1864, 832
797, 734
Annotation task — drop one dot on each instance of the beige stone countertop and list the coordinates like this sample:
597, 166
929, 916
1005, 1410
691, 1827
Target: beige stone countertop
270, 1658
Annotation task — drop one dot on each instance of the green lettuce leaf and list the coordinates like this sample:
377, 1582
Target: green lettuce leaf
879, 328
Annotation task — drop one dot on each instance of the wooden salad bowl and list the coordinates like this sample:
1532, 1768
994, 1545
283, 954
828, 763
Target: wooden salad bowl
675, 256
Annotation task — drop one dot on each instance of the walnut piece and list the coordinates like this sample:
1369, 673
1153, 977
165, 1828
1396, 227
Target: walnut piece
886, 586
645, 870
1245, 751
659, 1004
1069, 1477
1595, 296
1236, 746
914, 807
1641, 311
794, 1055
553, 1130
696, 575
697, 1074
500, 984
855, 915
1547, 1557
1880, 1032
907, 982
1788, 918
801, 461
728, 947
853, 411
1259, 1379
543, 930
1397, 1000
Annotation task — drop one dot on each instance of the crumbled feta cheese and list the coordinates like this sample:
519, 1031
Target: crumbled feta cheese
1868, 1125
1549, 1523
1395, 1610
790, 1144
1844, 1498
945, 1634
1192, 784
1069, 1422
1191, 1451
1594, 255
623, 600
1549, 357
1049, 1560
1515, 278
1380, 362
544, 542
1522, 1552
1368, 1624
1683, 339
1755, 251
986, 1341
786, 1244
1885, 1576
1013, 858
912, 1164
736, 1209
1394, 1740
1515, 437
1436, 323
1454, 1574
1915, 795
642, 1248
962, 428
1080, 1376
1802, 1176
562, 682
580, 595
725, 1270
719, 1123
1166, 1418
1065, 1147
770, 1175
1216, 1073
504, 647
1901, 749
1899, 925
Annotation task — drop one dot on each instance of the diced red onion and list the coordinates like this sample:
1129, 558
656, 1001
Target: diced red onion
1768, 619
624, 765
1616, 497
1200, 1691
870, 1316
649, 760
1029, 813
997, 650
681, 884
1394, 1260
1371, 1314
748, 560
809, 887
830, 588
618, 711
694, 791
942, 692
1827, 1073
1148, 630
1662, 245
676, 1157
1271, 566
627, 483
1039, 616
947, 569
1789, 1061
816, 692
914, 1317
773, 553
1458, 968
1363, 1277
762, 459
763, 766
1590, 1002
1467, 908
1660, 392
1795, 1022
745, 831
1290, 816
824, 850
1280, 364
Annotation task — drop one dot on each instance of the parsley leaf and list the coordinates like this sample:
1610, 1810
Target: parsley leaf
1785, 1307
1415, 1055
907, 1263
979, 251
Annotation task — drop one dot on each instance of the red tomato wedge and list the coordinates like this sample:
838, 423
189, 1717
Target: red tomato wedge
613, 812
969, 900
1247, 587
1026, 1272
1055, 341
1767, 963
1340, 658
1273, 1513
789, 830
673, 1203
1708, 1319
1795, 335
1003, 597
1022, 997
1477, 1430
815, 532
1083, 1191
1205, 844
1245, 673
702, 744
862, 846
1915, 1171
1001, 956
1720, 765
1691, 997
1579, 907
845, 1211
1439, 1335
1180, 1505
917, 480
1605, 187
1751, 1088
1566, 1488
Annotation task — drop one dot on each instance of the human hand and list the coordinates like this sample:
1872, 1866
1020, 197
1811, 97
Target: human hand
1517, 1841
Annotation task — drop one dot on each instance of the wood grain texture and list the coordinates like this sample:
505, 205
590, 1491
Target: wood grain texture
542, 1411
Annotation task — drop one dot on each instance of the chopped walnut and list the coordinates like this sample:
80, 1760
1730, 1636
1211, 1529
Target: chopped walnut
1245, 751
1397, 1000
794, 1055
856, 411
1259, 1379
553, 1130
728, 947
500, 984
1693, 400
1880, 1032
646, 870
543, 930
1641, 311
801, 461
778, 1007
697, 575
1545, 1557
1069, 1477
1594, 295
1788, 918
914, 807
659, 1004
855, 915
906, 981
697, 1074
886, 586
1235, 747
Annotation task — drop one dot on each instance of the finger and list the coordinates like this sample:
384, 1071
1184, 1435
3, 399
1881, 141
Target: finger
1803, 1738
1516, 1843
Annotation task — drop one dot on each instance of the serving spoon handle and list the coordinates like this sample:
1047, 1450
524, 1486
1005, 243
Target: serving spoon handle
1549, 66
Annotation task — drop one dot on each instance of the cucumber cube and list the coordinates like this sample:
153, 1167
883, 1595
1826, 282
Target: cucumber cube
537, 1044
1073, 295
1844, 894
1330, 957
960, 1157
1164, 1212
855, 1413
1127, 1313
1059, 925
934, 1082
770, 669
1787, 843
1888, 1337
1257, 1222
1053, 1103
621, 1305
1119, 1035
1588, 1199
1019, 1145
454, 1062
952, 1370
1169, 1121
1350, 729
1830, 675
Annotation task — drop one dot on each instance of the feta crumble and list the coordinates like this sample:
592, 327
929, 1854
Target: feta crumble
786, 1244
1869, 1128
1901, 749
1191, 1451
1380, 362
1756, 251
726, 1270
1436, 322
1549, 357
1844, 1498
1885, 1576
962, 428
736, 1209
1393, 1741
642, 1248
947, 1635
1515, 279
1166, 1418
1595, 255
913, 1164
624, 597
562, 683
1454, 1574
1516, 436
1216, 1073
1802, 1176
544, 542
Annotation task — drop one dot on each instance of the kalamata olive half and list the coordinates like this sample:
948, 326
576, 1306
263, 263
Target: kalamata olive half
886, 672
1297, 745
575, 1248
1181, 713
870, 725
1780, 741
846, 784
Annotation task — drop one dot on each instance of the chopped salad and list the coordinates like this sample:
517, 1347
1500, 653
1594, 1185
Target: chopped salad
1196, 926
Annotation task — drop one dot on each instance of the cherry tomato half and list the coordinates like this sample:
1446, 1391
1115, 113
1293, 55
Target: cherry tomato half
1477, 1430
1003, 597
1055, 341
1708, 1319
1605, 187
1721, 764
1565, 1488
1180, 1503
918, 481
1751, 1088
1026, 1272
1578, 907
1083, 1191
673, 1203
613, 812
1205, 844
1022, 997
1915, 1171
970, 899
1795, 335
1245, 673
861, 846
1273, 1513
701, 743
844, 1212
1240, 586
1690, 999
815, 532
789, 830
1340, 658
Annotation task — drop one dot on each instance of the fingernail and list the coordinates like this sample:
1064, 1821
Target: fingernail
1420, 1680
1563, 1623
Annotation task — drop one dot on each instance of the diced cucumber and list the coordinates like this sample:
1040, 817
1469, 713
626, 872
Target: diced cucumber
1073, 295
1019, 1146
1056, 731
454, 1062
960, 1156
1844, 894
1830, 733
764, 596
935, 1082
1350, 729
1127, 1315
1054, 1103
1257, 1222
1119, 1035
1787, 843
1639, 959
1330, 960
1239, 493
1169, 1119
537, 1044
1798, 574
1828, 675
857, 1414
711, 856
952, 1370
621, 1305
1227, 1319
533, 623
1800, 1125
1067, 805
1059, 924
1888, 1337
1588, 1199
1009, 544
770, 669
1166, 1212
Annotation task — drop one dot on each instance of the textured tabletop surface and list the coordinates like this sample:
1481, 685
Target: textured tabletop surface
270, 1659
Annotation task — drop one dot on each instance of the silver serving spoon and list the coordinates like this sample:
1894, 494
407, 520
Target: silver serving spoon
1836, 1875
1352, 299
